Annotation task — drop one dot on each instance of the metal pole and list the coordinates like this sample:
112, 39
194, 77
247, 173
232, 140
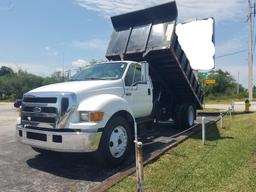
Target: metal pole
238, 86
135, 131
250, 52
63, 67
203, 130
221, 121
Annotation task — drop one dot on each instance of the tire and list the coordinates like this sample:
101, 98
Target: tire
184, 116
159, 113
178, 116
116, 142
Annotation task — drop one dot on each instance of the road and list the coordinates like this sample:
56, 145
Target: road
24, 170
238, 106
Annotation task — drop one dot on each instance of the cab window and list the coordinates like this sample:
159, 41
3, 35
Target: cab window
133, 75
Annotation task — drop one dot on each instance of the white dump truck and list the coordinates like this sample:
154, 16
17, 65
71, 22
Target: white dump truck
147, 78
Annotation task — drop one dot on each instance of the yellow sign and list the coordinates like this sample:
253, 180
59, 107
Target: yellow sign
210, 81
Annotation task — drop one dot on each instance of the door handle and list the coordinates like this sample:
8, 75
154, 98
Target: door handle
128, 94
149, 92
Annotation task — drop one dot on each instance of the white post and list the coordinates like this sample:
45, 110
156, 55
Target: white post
221, 121
233, 106
139, 160
139, 167
203, 130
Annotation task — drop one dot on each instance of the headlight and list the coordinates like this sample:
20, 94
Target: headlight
84, 116
91, 116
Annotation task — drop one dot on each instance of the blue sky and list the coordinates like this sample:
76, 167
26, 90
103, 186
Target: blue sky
41, 35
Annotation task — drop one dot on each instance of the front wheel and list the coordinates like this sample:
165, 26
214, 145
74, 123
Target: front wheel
116, 142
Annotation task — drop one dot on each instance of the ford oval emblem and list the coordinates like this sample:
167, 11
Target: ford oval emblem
37, 110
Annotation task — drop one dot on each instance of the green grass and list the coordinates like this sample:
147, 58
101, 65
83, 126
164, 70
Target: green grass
219, 101
209, 110
226, 163
223, 101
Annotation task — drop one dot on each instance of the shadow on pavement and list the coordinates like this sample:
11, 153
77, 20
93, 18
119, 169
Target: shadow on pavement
84, 167
212, 133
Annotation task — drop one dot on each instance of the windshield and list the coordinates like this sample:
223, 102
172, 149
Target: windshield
103, 71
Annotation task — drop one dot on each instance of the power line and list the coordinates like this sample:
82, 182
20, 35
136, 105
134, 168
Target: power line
230, 54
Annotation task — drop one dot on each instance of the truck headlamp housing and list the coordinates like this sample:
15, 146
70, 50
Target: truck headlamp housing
84, 116
91, 116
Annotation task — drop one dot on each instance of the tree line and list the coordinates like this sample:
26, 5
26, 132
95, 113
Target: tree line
14, 84
225, 87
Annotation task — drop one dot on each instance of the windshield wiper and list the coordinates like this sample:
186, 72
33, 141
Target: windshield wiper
91, 78
95, 78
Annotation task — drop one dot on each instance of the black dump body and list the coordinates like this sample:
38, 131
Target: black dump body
149, 35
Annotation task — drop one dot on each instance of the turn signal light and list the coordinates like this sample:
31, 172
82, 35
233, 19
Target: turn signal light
96, 116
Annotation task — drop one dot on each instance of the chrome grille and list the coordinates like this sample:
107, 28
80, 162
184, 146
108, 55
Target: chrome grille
47, 110
40, 99
40, 112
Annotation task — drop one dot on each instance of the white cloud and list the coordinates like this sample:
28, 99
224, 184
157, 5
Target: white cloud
221, 10
90, 45
80, 63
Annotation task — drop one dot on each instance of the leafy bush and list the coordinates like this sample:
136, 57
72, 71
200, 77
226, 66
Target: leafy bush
14, 84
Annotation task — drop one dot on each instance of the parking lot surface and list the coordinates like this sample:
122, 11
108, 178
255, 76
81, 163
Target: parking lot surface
24, 170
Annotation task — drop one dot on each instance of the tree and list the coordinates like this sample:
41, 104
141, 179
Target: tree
14, 85
6, 71
225, 84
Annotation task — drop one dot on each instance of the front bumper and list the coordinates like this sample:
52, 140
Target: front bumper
65, 140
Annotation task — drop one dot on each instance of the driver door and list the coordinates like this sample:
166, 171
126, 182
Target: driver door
138, 90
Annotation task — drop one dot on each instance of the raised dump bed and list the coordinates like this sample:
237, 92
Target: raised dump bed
149, 35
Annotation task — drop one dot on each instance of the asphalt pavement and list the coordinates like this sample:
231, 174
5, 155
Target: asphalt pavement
24, 170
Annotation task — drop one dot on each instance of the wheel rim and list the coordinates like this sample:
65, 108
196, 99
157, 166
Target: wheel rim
190, 116
118, 141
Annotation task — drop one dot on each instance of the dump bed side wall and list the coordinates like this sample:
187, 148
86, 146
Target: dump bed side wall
174, 68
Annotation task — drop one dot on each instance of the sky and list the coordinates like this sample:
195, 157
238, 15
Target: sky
42, 36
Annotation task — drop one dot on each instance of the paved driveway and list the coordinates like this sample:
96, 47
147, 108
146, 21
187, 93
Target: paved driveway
24, 170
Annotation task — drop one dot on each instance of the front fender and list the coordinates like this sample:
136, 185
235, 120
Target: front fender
107, 103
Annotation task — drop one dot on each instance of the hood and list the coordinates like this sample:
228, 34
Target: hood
79, 86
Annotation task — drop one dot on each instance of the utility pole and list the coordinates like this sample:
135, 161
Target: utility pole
251, 16
238, 86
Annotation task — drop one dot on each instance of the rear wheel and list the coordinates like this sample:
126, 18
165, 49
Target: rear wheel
184, 116
116, 142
